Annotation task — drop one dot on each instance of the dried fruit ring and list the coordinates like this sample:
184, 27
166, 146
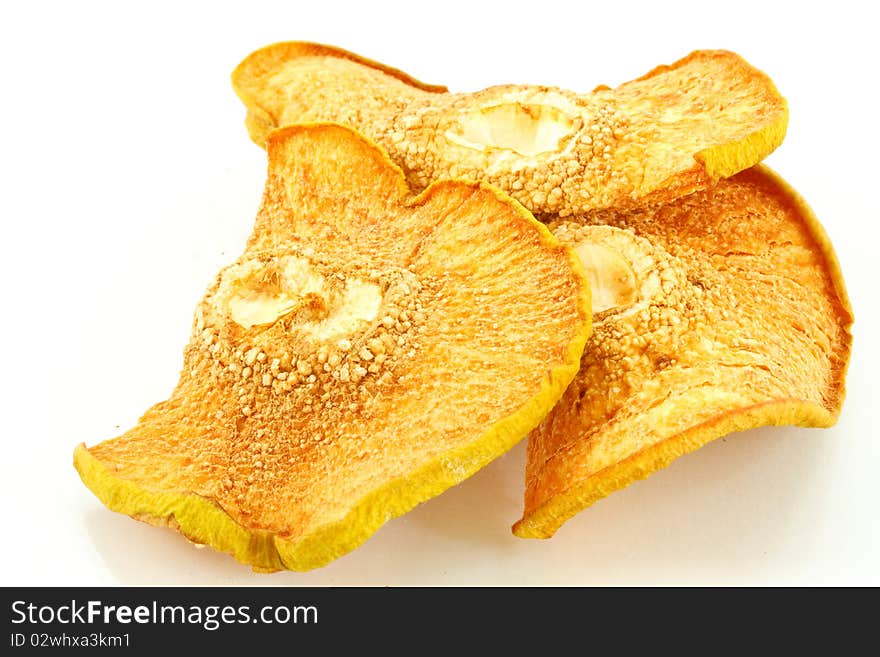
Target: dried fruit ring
671, 132
739, 319
370, 349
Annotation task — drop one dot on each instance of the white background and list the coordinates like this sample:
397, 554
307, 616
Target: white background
127, 180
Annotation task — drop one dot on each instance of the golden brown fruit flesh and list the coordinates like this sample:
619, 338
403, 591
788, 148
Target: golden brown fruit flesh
723, 311
671, 132
367, 351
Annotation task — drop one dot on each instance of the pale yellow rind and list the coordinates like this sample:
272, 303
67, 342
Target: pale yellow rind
544, 521
725, 160
197, 518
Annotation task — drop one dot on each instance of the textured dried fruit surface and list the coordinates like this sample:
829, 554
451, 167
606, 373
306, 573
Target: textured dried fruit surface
738, 319
367, 351
669, 133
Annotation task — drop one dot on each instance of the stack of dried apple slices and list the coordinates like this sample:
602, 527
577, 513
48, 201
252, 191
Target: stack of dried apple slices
373, 347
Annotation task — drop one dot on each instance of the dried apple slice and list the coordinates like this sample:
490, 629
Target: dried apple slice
367, 351
666, 134
723, 311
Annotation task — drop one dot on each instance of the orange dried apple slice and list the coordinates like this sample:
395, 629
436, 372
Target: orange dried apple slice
367, 351
723, 311
666, 134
